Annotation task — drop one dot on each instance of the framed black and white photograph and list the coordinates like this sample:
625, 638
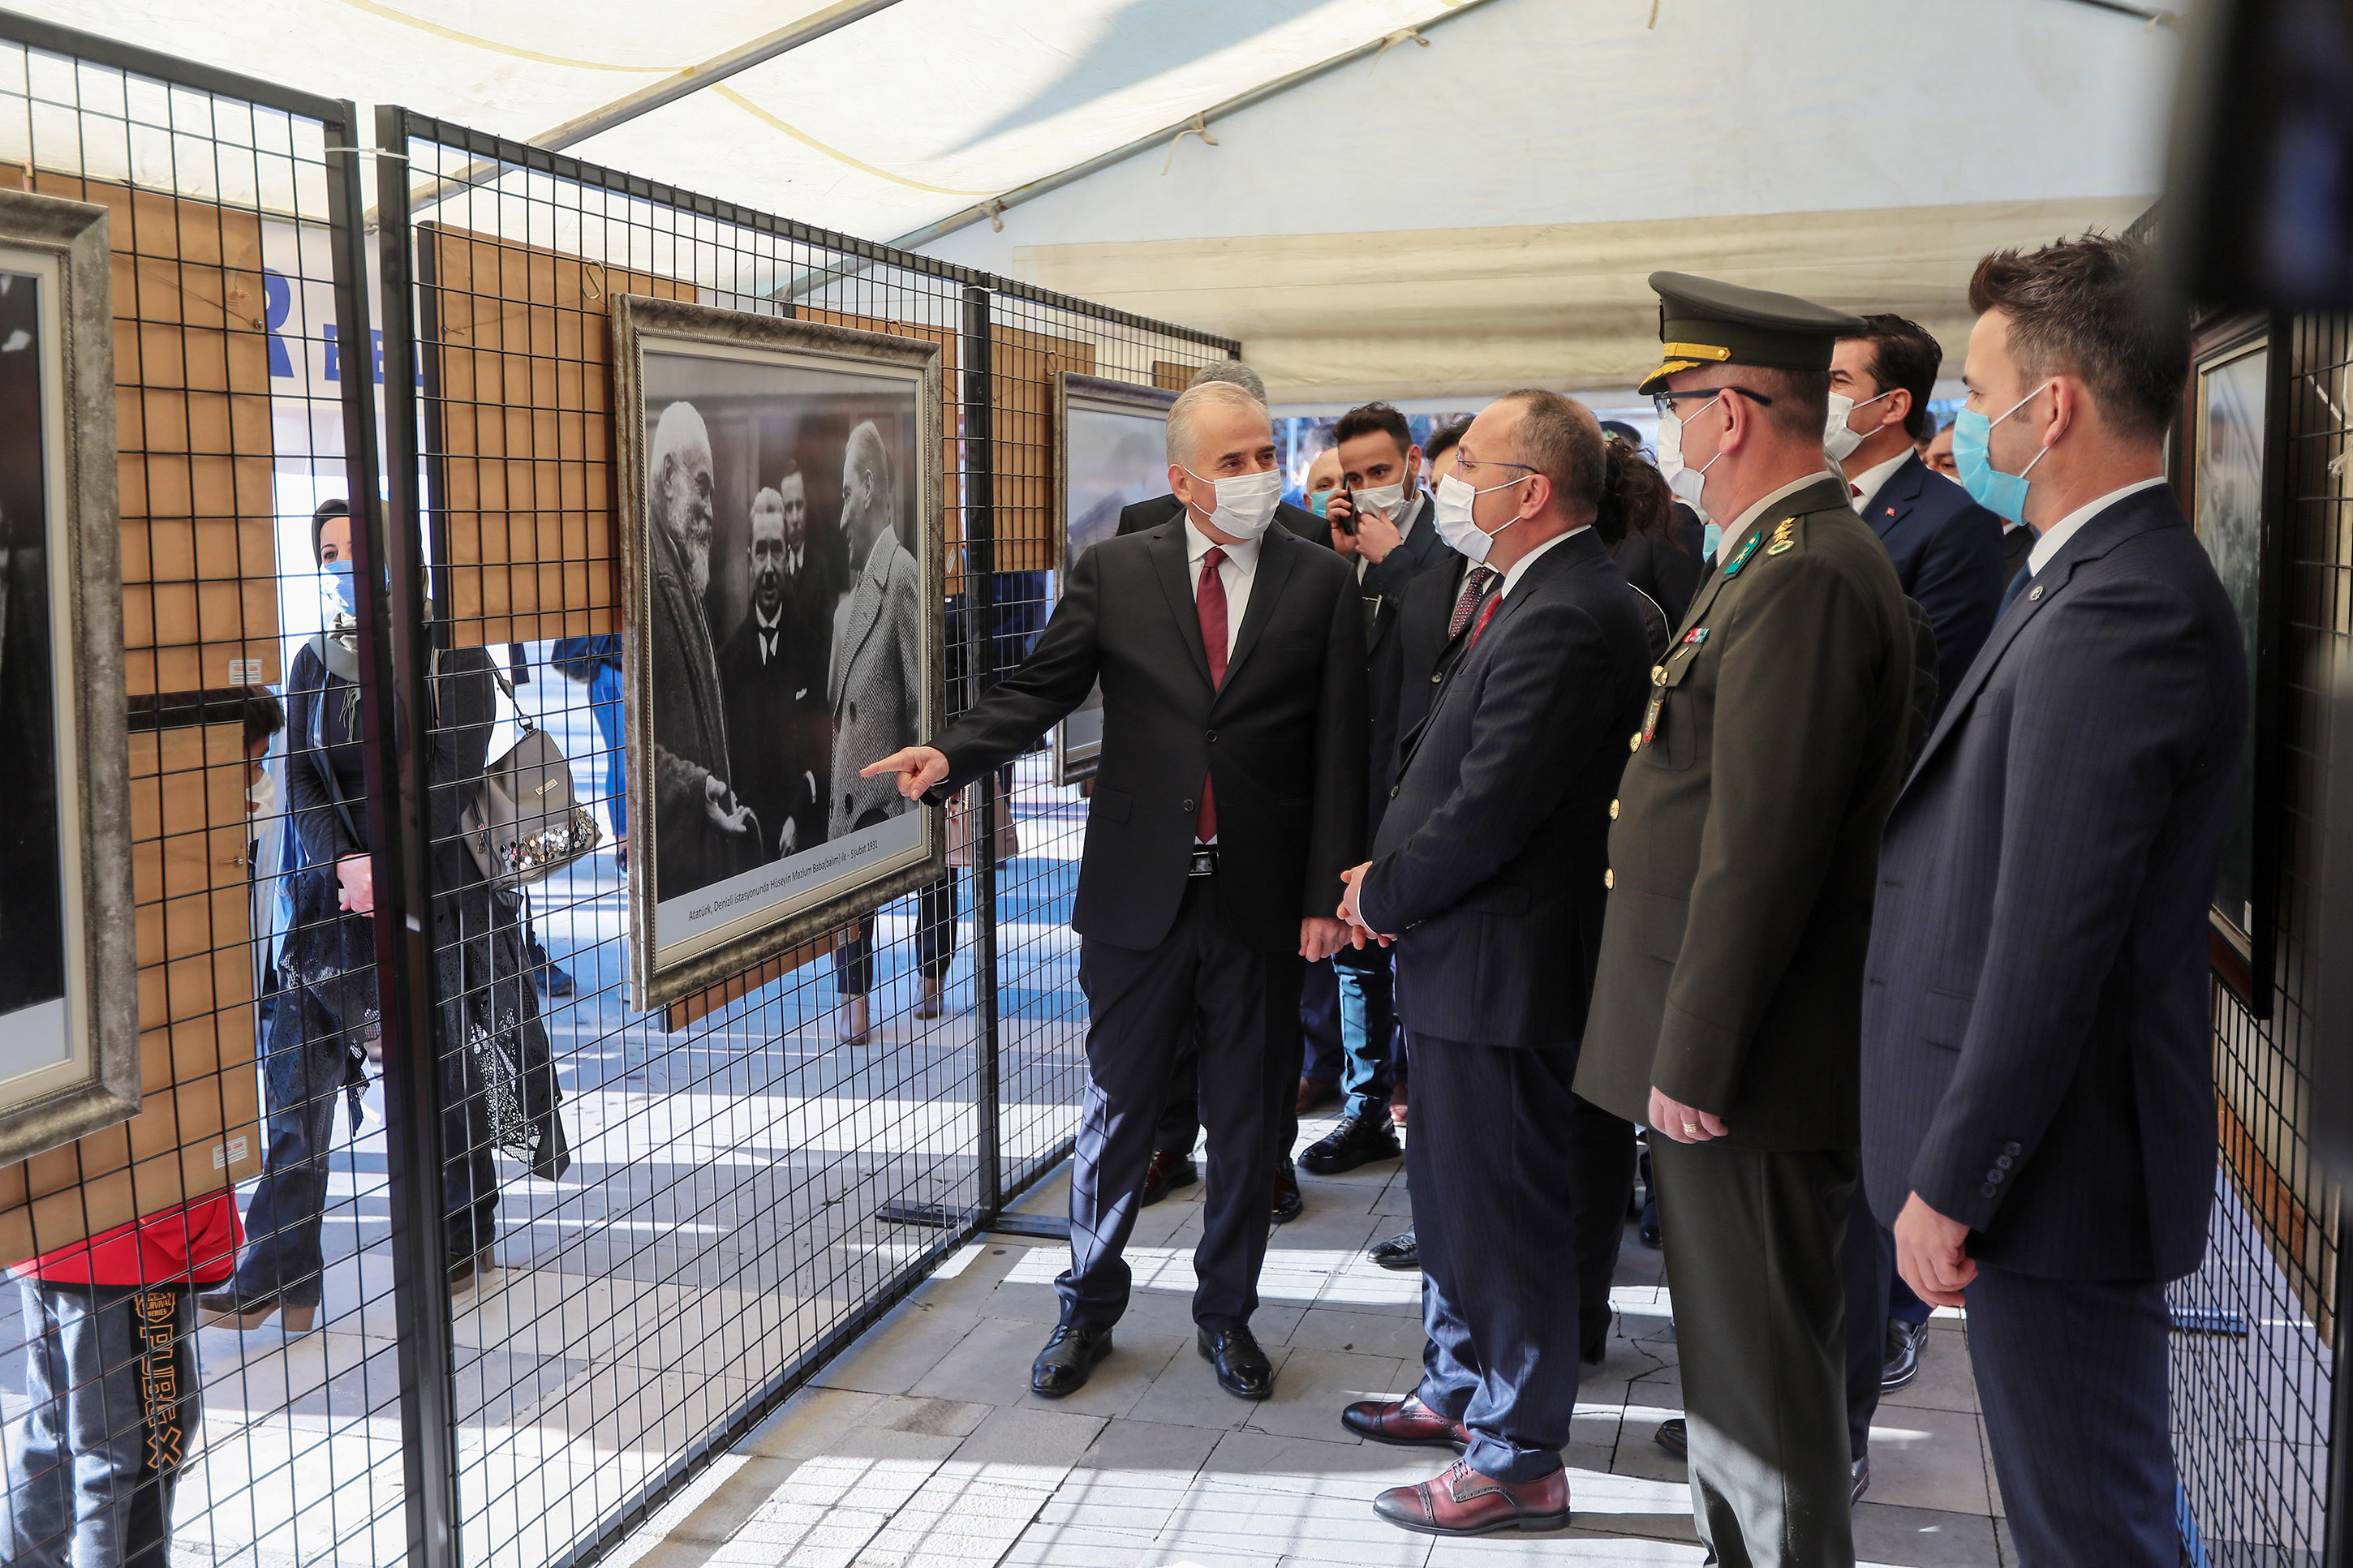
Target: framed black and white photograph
2233, 473
1110, 450
782, 555
69, 985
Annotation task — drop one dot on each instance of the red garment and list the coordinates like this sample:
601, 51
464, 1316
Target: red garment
194, 1243
1210, 603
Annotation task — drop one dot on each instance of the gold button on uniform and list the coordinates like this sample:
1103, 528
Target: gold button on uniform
1634, 743
1658, 675
1610, 879
1614, 810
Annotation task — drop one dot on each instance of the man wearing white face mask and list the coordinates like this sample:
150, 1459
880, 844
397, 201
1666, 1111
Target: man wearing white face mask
1946, 547
1744, 858
1229, 797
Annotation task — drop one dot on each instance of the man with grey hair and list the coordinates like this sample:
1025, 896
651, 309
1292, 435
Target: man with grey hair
1147, 514
1230, 797
701, 833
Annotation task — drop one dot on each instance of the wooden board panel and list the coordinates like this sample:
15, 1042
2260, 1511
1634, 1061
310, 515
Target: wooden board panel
192, 415
199, 1123
519, 345
1169, 375
678, 1014
1021, 375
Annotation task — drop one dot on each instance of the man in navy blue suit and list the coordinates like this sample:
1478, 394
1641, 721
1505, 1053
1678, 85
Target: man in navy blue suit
1948, 553
2038, 1106
1491, 862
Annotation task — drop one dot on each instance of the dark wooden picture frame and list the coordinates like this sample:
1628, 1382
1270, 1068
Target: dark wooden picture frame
61, 587
904, 371
1147, 406
2222, 467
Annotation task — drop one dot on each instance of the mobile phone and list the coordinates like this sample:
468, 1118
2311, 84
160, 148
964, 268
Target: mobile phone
1348, 524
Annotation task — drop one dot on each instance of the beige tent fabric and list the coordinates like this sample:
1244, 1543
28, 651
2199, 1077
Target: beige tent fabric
1563, 305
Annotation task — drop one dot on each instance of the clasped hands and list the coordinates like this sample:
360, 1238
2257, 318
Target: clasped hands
1357, 933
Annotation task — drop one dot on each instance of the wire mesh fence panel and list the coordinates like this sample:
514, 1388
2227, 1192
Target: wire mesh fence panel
2255, 1327
714, 1088
200, 1331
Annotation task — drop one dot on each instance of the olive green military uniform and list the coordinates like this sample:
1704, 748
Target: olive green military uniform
1743, 861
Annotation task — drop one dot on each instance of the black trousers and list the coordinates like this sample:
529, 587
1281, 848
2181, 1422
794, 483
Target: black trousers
1243, 1009
1492, 1164
2072, 1378
1601, 1189
1752, 1244
937, 907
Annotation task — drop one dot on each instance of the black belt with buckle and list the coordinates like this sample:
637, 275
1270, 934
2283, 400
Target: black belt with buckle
1205, 860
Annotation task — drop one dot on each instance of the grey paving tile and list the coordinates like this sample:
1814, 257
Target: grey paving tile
1223, 1513
1929, 1459
1304, 1467
988, 1365
1583, 1547
1026, 1438
899, 1350
1149, 1448
1185, 1391
1944, 1382
1365, 1334
1921, 1538
1315, 1386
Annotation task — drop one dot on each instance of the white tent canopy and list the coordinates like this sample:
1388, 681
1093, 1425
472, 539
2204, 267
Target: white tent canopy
1470, 201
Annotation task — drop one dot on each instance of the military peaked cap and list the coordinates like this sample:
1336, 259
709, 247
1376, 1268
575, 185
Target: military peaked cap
1704, 322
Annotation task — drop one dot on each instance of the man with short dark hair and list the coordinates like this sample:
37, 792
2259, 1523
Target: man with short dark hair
1743, 860
2037, 1099
764, 682
1946, 547
1381, 523
1939, 454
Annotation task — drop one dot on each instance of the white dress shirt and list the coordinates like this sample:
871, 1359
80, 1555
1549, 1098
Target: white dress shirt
1236, 571
1520, 567
2060, 532
1729, 546
768, 628
1870, 479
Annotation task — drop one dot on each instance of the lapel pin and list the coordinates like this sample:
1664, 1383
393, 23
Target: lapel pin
2032, 594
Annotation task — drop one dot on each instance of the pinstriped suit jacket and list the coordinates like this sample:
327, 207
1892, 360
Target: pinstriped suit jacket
2035, 1038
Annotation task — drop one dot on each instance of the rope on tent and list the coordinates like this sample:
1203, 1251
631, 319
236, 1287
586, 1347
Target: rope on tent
1392, 40
1200, 127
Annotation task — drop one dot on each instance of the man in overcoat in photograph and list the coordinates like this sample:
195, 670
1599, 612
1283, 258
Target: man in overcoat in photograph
1742, 864
2038, 1093
702, 832
1228, 798
875, 687
1489, 862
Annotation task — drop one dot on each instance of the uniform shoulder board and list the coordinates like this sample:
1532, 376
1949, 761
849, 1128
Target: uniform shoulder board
1785, 534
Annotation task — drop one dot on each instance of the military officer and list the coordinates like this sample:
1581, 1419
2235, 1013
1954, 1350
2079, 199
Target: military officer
1743, 860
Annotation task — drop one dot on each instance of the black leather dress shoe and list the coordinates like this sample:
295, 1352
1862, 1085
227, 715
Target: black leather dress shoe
1862, 1480
1287, 1202
1357, 1141
1904, 1344
1168, 1171
1402, 1250
1673, 1437
1243, 1370
1062, 1367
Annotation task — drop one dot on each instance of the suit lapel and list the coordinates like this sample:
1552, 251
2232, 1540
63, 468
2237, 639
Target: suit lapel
1168, 544
865, 610
1274, 563
1569, 556
1893, 501
2094, 540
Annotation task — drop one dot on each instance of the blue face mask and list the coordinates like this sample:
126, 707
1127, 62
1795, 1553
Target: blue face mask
1318, 502
1711, 535
337, 594
2004, 494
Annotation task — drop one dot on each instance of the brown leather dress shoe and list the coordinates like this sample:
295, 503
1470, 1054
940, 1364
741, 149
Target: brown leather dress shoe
1408, 1422
1168, 1171
1464, 1502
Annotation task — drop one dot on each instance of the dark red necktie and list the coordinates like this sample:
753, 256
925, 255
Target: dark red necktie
1486, 614
1211, 603
1474, 588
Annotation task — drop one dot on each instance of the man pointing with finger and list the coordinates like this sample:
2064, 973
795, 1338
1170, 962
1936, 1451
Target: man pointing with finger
1742, 864
1229, 797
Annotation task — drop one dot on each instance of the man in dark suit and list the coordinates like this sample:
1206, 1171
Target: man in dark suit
1946, 547
811, 592
1743, 861
1948, 555
702, 832
2038, 1098
1489, 863
1180, 1118
1229, 797
765, 684
1381, 523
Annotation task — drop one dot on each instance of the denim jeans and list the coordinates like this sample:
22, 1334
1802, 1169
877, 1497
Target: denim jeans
116, 1402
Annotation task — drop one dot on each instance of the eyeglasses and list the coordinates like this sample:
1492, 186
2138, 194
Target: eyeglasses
1462, 463
1665, 402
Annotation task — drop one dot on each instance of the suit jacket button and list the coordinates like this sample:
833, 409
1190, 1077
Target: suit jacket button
853, 712
1609, 878
1437, 677
1989, 1190
2003, 1162
1393, 790
1213, 737
1188, 805
1614, 810
2013, 1149
1993, 1175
